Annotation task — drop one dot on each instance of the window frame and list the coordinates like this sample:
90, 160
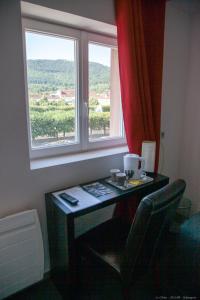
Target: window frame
82, 39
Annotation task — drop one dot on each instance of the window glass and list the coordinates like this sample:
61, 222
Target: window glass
105, 115
52, 89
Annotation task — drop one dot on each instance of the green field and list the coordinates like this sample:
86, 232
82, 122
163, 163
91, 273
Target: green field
58, 119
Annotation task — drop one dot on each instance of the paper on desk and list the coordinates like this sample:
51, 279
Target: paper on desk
85, 199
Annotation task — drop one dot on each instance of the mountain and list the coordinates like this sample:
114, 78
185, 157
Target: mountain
51, 75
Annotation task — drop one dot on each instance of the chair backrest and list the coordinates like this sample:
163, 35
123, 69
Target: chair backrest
152, 220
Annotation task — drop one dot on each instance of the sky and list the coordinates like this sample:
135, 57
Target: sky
40, 46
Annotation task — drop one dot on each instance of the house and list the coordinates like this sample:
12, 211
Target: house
24, 181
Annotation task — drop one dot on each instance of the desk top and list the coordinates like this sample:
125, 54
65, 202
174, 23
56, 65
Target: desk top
115, 196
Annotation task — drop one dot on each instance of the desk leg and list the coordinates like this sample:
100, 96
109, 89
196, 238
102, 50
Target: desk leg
63, 256
72, 267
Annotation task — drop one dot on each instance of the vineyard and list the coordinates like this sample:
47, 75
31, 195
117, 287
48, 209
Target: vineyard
57, 119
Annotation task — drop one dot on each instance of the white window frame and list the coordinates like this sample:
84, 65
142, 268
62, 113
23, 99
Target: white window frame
82, 38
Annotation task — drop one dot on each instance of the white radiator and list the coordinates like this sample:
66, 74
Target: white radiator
21, 252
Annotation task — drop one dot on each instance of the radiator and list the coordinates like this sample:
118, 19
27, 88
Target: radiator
21, 252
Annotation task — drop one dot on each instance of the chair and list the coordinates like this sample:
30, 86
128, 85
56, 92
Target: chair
128, 251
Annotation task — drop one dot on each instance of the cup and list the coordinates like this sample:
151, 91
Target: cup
121, 179
113, 173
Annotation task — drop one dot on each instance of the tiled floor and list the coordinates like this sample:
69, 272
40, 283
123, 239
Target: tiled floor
41, 291
101, 290
46, 290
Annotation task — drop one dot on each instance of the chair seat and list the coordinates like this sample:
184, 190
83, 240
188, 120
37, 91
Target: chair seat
106, 243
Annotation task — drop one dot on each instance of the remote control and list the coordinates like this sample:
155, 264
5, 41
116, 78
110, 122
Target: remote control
71, 200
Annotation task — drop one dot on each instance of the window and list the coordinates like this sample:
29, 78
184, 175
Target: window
73, 90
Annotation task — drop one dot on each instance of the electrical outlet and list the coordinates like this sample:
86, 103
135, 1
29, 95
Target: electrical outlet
162, 134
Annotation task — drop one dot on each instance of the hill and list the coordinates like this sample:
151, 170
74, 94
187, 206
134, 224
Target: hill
51, 75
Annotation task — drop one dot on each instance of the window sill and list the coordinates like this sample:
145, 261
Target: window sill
73, 158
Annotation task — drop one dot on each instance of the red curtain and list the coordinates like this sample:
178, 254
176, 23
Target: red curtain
140, 28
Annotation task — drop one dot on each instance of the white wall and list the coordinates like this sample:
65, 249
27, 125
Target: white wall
20, 187
181, 100
100, 10
176, 54
190, 146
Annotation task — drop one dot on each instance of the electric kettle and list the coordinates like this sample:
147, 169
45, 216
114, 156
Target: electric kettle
134, 165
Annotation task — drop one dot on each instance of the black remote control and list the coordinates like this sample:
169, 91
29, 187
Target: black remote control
71, 200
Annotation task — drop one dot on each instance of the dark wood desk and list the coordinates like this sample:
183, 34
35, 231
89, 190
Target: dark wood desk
60, 220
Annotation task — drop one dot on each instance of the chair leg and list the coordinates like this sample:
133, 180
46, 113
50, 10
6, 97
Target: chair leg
157, 276
126, 295
126, 292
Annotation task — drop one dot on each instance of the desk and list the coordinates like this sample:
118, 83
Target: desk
60, 220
